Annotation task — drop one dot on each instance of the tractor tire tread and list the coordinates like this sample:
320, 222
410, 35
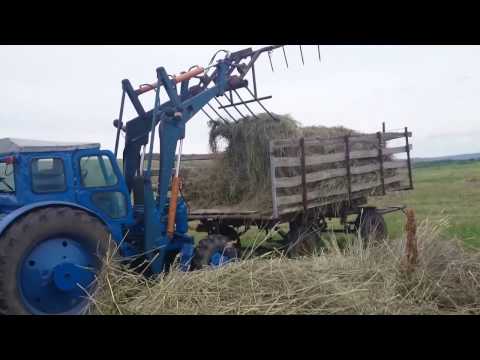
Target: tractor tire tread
13, 240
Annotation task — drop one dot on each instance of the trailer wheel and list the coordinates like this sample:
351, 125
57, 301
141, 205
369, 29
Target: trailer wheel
214, 250
303, 239
45, 256
371, 226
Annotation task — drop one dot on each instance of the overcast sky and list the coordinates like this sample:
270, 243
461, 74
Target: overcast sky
72, 93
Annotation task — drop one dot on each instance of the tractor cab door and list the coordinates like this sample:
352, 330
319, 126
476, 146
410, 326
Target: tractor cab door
101, 186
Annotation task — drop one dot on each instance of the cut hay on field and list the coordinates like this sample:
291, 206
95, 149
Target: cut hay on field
353, 280
241, 176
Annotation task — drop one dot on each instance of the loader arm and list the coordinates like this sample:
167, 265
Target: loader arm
171, 117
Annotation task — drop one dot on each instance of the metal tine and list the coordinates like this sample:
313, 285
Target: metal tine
216, 113
285, 56
235, 107
263, 107
270, 58
207, 115
251, 112
301, 54
228, 113
319, 56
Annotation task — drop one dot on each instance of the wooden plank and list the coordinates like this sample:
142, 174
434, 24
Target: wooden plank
273, 183
190, 157
381, 141
234, 217
313, 195
336, 157
292, 181
319, 203
347, 165
370, 138
285, 182
397, 150
408, 158
222, 212
303, 172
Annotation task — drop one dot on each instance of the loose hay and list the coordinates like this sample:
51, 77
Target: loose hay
241, 177
354, 280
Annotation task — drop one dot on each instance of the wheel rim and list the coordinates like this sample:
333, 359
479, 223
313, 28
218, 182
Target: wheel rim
53, 274
219, 259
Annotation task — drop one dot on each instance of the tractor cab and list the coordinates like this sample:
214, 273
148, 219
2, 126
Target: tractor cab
33, 172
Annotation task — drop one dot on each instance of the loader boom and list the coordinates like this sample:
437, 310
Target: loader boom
171, 117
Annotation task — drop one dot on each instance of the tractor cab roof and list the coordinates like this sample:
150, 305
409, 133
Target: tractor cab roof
15, 145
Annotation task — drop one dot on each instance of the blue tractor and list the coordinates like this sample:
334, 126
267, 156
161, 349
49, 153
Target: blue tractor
63, 206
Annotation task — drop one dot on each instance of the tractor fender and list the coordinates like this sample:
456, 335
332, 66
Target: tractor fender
8, 219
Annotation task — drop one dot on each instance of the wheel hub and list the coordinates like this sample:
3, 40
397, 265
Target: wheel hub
219, 259
54, 274
67, 275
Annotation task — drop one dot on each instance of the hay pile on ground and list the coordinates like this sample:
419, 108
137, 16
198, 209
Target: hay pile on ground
349, 281
241, 177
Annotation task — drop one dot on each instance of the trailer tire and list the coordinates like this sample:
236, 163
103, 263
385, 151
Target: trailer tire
304, 244
206, 248
371, 226
58, 226
303, 239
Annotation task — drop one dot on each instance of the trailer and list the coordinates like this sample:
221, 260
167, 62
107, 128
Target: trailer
365, 165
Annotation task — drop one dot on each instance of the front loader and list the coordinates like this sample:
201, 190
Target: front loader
64, 206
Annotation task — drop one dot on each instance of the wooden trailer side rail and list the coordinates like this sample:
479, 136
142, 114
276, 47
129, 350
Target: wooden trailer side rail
306, 199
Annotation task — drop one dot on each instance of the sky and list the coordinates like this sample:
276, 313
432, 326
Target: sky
72, 93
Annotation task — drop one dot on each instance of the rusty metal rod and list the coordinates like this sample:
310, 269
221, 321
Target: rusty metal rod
263, 107
216, 113
285, 56
228, 113
235, 107
244, 104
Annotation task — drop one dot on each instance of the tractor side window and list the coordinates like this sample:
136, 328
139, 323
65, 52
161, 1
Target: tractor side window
97, 171
7, 182
112, 203
48, 175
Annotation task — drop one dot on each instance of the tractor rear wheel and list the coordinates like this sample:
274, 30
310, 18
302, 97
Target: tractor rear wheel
214, 250
47, 257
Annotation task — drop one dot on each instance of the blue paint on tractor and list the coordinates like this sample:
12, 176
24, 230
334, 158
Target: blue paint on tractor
50, 274
218, 259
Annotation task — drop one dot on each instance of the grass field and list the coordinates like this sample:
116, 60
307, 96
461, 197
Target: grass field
444, 190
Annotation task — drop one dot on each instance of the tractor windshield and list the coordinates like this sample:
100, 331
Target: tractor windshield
7, 182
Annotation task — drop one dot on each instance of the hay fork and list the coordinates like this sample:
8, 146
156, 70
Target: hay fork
244, 68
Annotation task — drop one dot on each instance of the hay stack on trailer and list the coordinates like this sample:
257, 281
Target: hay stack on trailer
269, 168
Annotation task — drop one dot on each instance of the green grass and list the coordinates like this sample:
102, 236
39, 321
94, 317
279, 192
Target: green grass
447, 190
